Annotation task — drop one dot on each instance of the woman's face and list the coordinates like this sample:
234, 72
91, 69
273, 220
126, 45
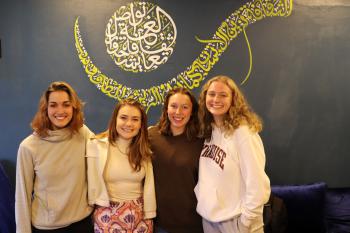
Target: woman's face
128, 122
59, 109
218, 100
179, 112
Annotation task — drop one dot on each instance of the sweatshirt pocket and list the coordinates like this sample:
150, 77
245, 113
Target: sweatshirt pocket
208, 205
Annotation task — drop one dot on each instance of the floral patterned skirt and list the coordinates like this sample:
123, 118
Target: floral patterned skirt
122, 217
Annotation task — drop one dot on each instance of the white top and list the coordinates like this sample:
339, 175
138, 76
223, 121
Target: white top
232, 180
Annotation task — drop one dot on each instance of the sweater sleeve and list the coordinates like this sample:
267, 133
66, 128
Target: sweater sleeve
97, 191
87, 133
256, 182
24, 189
149, 196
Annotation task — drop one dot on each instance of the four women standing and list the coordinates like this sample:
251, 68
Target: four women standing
231, 189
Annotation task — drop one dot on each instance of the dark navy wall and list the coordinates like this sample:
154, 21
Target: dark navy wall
299, 83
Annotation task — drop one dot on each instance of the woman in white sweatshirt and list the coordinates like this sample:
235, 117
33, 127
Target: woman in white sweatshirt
120, 173
233, 186
51, 183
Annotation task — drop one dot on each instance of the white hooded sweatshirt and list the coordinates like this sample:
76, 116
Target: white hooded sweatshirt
232, 181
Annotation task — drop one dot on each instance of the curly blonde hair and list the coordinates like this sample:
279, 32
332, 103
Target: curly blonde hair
240, 113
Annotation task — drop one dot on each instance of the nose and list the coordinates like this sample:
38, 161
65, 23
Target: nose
178, 111
60, 109
216, 98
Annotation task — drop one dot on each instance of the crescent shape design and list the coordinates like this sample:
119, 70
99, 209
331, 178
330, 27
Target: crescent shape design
194, 74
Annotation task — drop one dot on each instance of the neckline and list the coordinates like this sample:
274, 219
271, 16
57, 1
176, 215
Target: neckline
116, 145
122, 145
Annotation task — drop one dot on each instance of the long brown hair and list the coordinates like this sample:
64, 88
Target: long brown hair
139, 148
41, 123
192, 124
238, 114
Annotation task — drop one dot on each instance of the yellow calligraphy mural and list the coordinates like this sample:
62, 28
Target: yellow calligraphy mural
194, 74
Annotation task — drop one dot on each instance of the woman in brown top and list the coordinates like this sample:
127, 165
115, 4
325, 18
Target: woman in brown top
176, 149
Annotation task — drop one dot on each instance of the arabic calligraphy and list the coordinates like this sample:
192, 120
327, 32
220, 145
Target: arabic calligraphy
229, 29
140, 37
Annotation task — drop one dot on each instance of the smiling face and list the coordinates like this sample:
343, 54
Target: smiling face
179, 112
128, 122
59, 109
218, 100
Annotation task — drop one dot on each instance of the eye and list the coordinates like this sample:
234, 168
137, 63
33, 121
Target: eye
136, 119
52, 105
211, 94
67, 104
123, 117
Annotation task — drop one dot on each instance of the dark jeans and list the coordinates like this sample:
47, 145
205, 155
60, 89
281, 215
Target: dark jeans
83, 226
159, 230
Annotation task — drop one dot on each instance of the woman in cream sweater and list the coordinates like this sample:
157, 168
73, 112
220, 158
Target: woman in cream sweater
51, 183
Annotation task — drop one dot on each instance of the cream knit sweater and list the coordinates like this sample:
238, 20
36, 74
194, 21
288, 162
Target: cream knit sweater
51, 183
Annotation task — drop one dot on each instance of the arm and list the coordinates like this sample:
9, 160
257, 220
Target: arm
149, 197
255, 180
87, 133
96, 157
24, 189
91, 168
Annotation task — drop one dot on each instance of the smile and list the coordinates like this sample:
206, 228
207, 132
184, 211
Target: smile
60, 117
217, 105
127, 130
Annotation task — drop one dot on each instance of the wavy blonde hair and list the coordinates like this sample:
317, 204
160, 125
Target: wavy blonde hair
41, 123
139, 148
240, 113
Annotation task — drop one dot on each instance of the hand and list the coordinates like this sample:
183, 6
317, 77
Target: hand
241, 227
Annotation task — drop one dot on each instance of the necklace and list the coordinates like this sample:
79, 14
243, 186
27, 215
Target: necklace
124, 153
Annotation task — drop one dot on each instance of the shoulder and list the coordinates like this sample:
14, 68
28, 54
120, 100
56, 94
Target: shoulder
30, 141
153, 129
29, 144
98, 140
244, 133
96, 146
153, 132
241, 133
86, 132
197, 141
242, 130
97, 143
